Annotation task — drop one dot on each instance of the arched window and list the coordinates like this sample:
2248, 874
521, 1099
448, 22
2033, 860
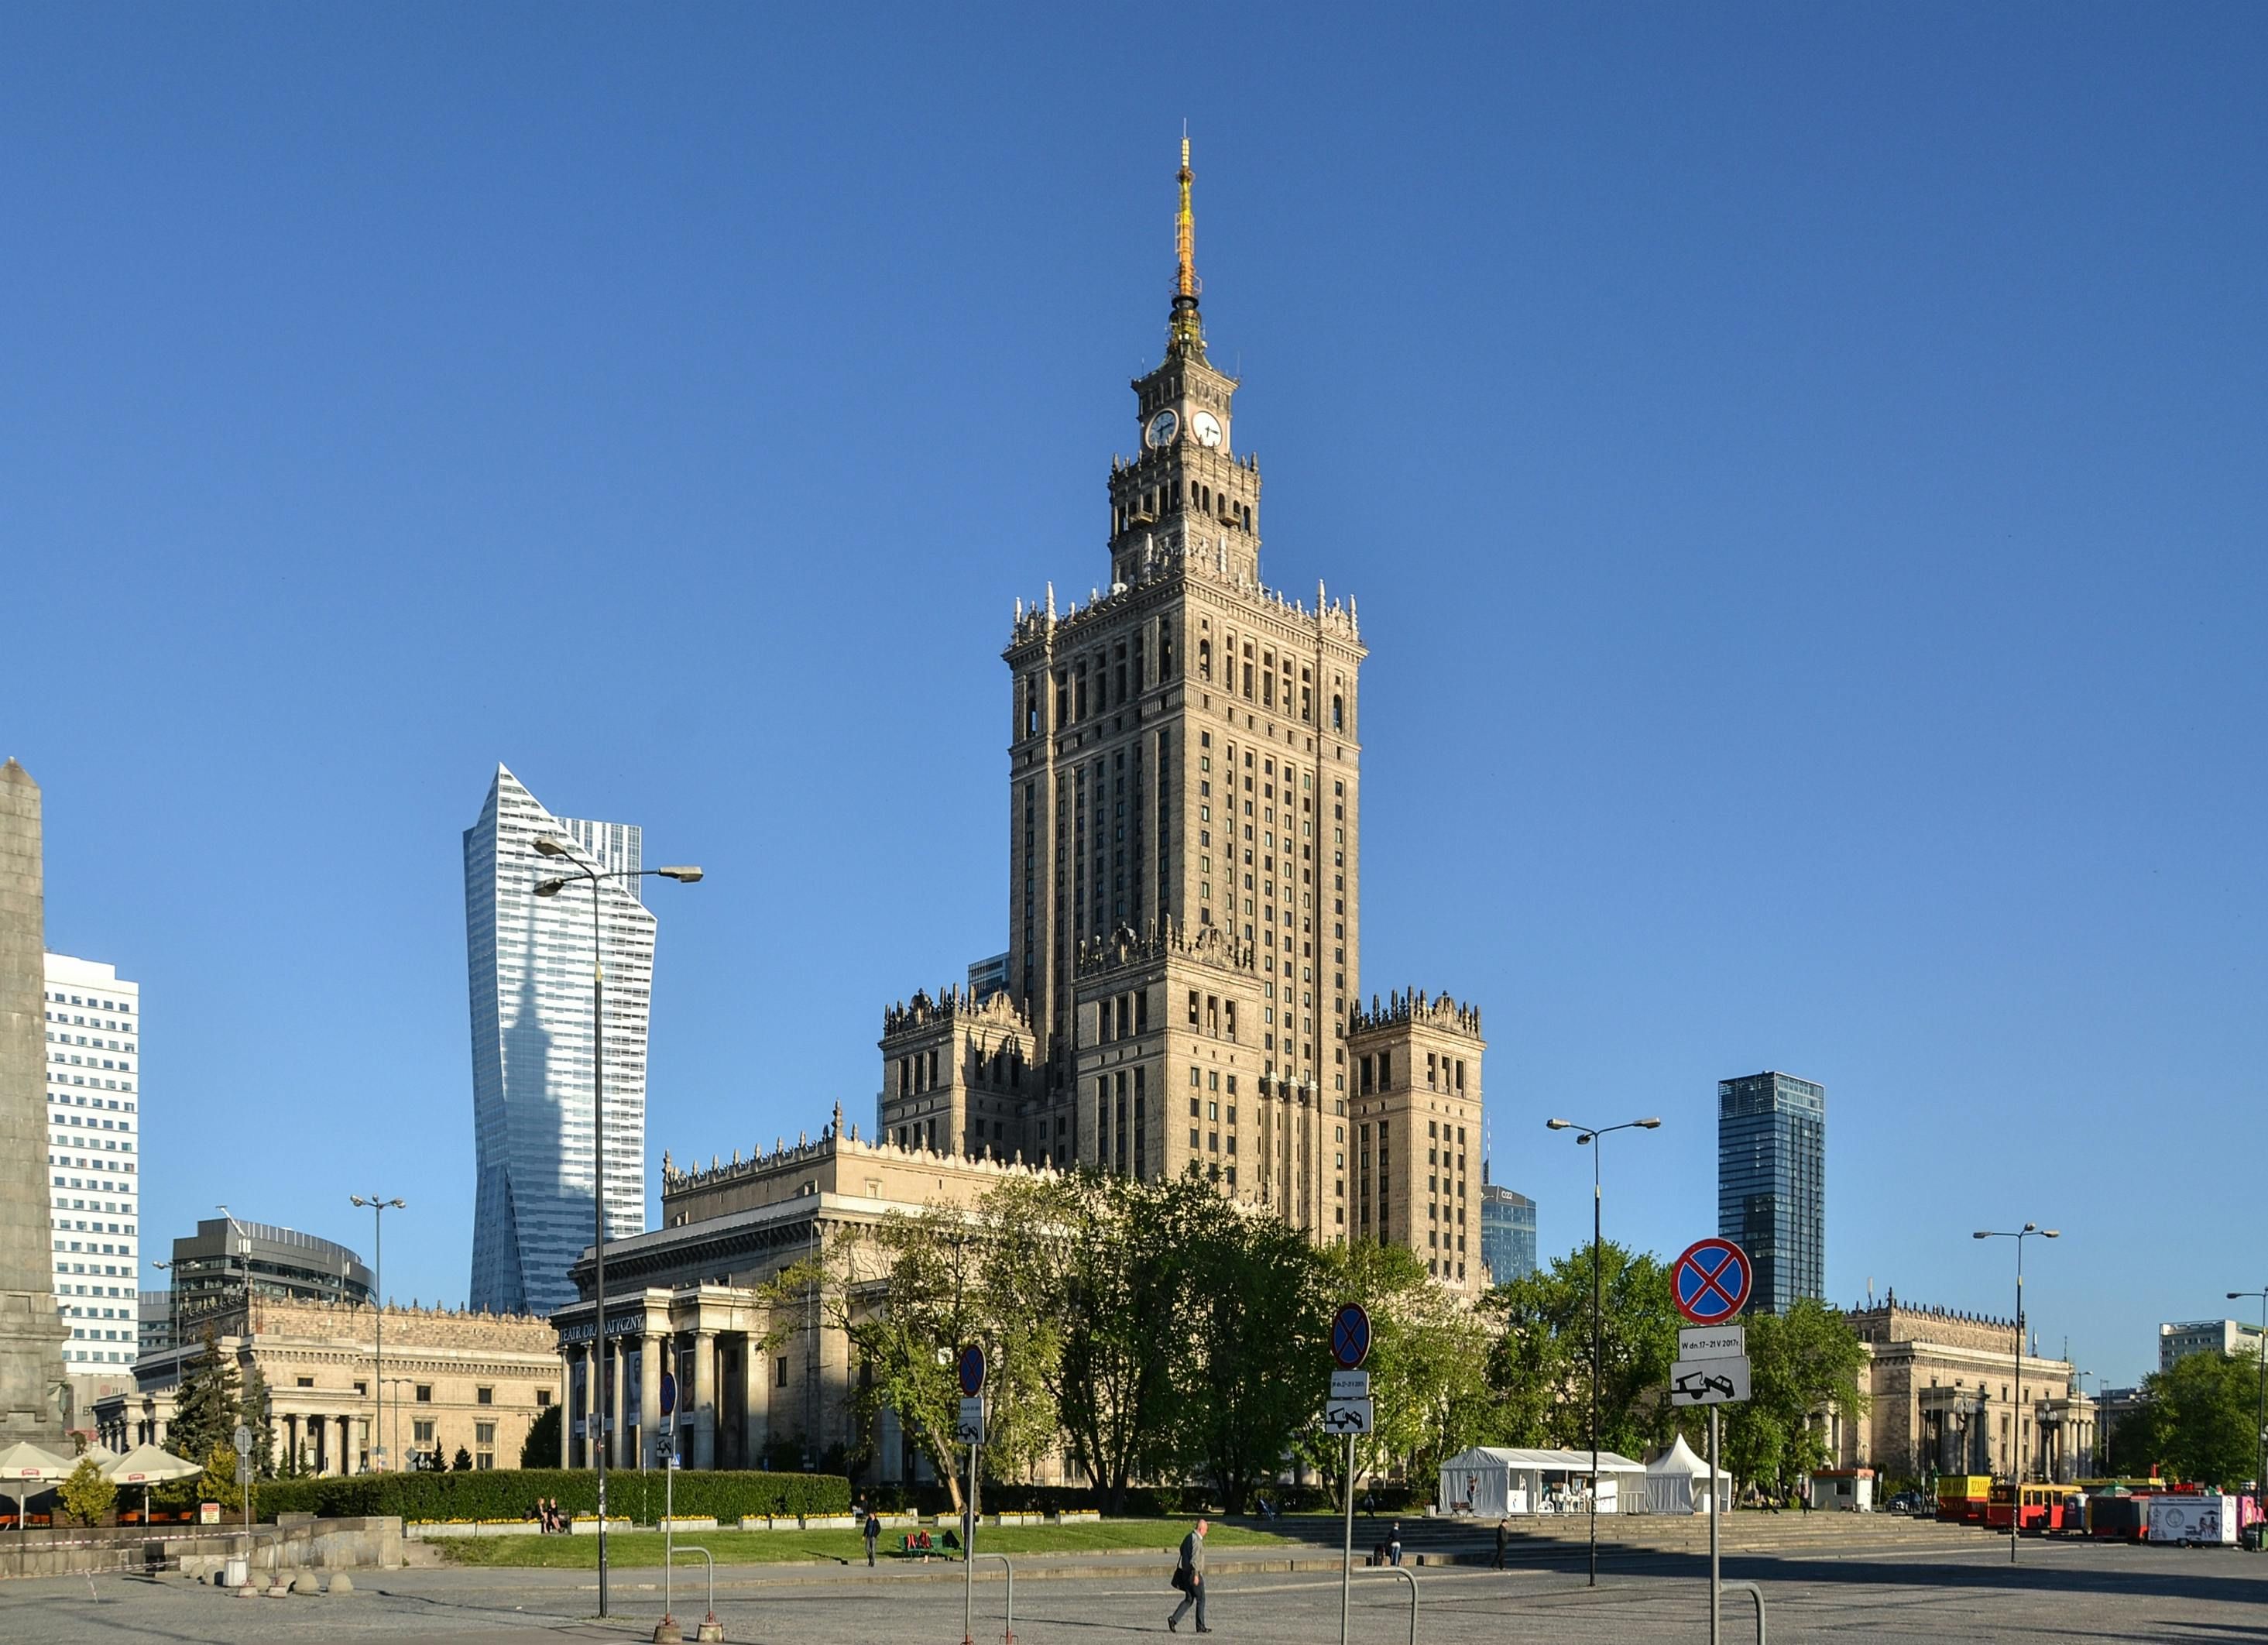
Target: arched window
1338, 712
1204, 659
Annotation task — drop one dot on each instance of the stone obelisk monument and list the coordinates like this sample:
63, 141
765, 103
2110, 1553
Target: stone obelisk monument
34, 1394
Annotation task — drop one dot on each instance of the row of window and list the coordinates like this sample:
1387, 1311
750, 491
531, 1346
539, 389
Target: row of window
90, 1002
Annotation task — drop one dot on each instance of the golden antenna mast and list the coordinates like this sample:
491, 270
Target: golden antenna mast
1185, 231
1188, 331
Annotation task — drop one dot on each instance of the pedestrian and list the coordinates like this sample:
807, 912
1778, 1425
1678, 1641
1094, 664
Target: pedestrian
1394, 1544
1503, 1541
874, 1530
1369, 1506
1189, 1576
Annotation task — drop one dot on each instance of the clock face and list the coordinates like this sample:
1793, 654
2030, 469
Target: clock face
1206, 427
1162, 429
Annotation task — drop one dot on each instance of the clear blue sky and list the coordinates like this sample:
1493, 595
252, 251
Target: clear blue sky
1800, 468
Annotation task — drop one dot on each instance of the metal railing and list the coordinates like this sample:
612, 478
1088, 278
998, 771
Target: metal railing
1757, 1593
1008, 1618
1396, 1570
711, 1628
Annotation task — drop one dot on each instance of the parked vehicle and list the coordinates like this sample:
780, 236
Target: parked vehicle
1960, 1497
2046, 1507
1912, 1502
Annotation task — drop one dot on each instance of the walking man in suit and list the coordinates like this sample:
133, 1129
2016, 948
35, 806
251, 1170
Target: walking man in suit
1189, 1576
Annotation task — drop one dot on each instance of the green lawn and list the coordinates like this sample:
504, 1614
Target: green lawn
635, 1548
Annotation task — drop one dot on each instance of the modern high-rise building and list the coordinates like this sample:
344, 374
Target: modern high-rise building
2232, 1337
94, 1162
1183, 980
530, 961
1771, 1185
228, 1260
1507, 1231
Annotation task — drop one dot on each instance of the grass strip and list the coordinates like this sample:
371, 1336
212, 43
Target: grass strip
638, 1549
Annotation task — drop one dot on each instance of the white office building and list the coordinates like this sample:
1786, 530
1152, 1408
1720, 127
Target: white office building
94, 1166
530, 963
2178, 1340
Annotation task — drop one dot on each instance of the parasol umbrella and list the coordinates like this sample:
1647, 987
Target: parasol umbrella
23, 1467
146, 1465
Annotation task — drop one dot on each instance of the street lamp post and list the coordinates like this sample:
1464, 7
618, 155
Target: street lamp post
1589, 1135
378, 1206
570, 870
2260, 1450
2016, 1415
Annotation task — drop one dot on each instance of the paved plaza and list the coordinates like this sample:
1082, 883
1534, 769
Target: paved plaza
2061, 1591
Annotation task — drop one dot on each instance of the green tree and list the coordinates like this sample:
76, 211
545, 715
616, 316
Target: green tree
88, 1496
905, 1294
253, 1412
1252, 1366
462, 1462
209, 1405
1084, 1259
1801, 1364
1540, 1369
2195, 1422
540, 1448
1428, 1367
219, 1483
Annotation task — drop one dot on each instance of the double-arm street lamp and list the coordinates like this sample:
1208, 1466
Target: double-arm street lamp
571, 870
2016, 1415
378, 1206
2260, 1451
1589, 1135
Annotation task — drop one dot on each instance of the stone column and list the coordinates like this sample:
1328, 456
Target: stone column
705, 1396
650, 1368
756, 1380
566, 1407
35, 1393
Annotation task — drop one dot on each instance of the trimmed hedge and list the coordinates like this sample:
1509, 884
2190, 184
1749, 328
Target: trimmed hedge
508, 1494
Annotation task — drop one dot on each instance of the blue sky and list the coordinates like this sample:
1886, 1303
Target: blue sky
1800, 468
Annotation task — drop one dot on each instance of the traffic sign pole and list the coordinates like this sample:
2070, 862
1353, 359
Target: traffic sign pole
1350, 1346
1709, 1284
1716, 1578
972, 1387
1347, 1560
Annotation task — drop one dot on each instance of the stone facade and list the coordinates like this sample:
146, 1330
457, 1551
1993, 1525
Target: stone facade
1417, 1120
452, 1380
759, 1381
35, 1400
1942, 1384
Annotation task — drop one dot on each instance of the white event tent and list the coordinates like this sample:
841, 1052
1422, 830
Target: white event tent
1678, 1482
1491, 1481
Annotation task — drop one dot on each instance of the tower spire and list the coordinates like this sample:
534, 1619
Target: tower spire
1188, 331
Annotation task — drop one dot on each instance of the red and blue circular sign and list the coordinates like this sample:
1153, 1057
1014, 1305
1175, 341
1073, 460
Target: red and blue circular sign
972, 1371
1709, 1282
1350, 1335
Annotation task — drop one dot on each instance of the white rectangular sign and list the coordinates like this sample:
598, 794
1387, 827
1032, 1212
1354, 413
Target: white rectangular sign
1722, 1382
1713, 1342
970, 1430
1350, 1385
1347, 1416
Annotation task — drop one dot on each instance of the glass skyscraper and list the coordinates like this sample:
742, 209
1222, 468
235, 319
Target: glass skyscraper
1507, 1231
1771, 1185
530, 959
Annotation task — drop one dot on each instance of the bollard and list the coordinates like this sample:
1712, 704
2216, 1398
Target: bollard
1008, 1620
1757, 1593
1396, 1570
668, 1633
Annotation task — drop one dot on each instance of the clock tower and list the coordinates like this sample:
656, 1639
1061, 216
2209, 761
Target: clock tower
1185, 493
1184, 817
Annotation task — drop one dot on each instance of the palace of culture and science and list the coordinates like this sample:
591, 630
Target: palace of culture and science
1181, 989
